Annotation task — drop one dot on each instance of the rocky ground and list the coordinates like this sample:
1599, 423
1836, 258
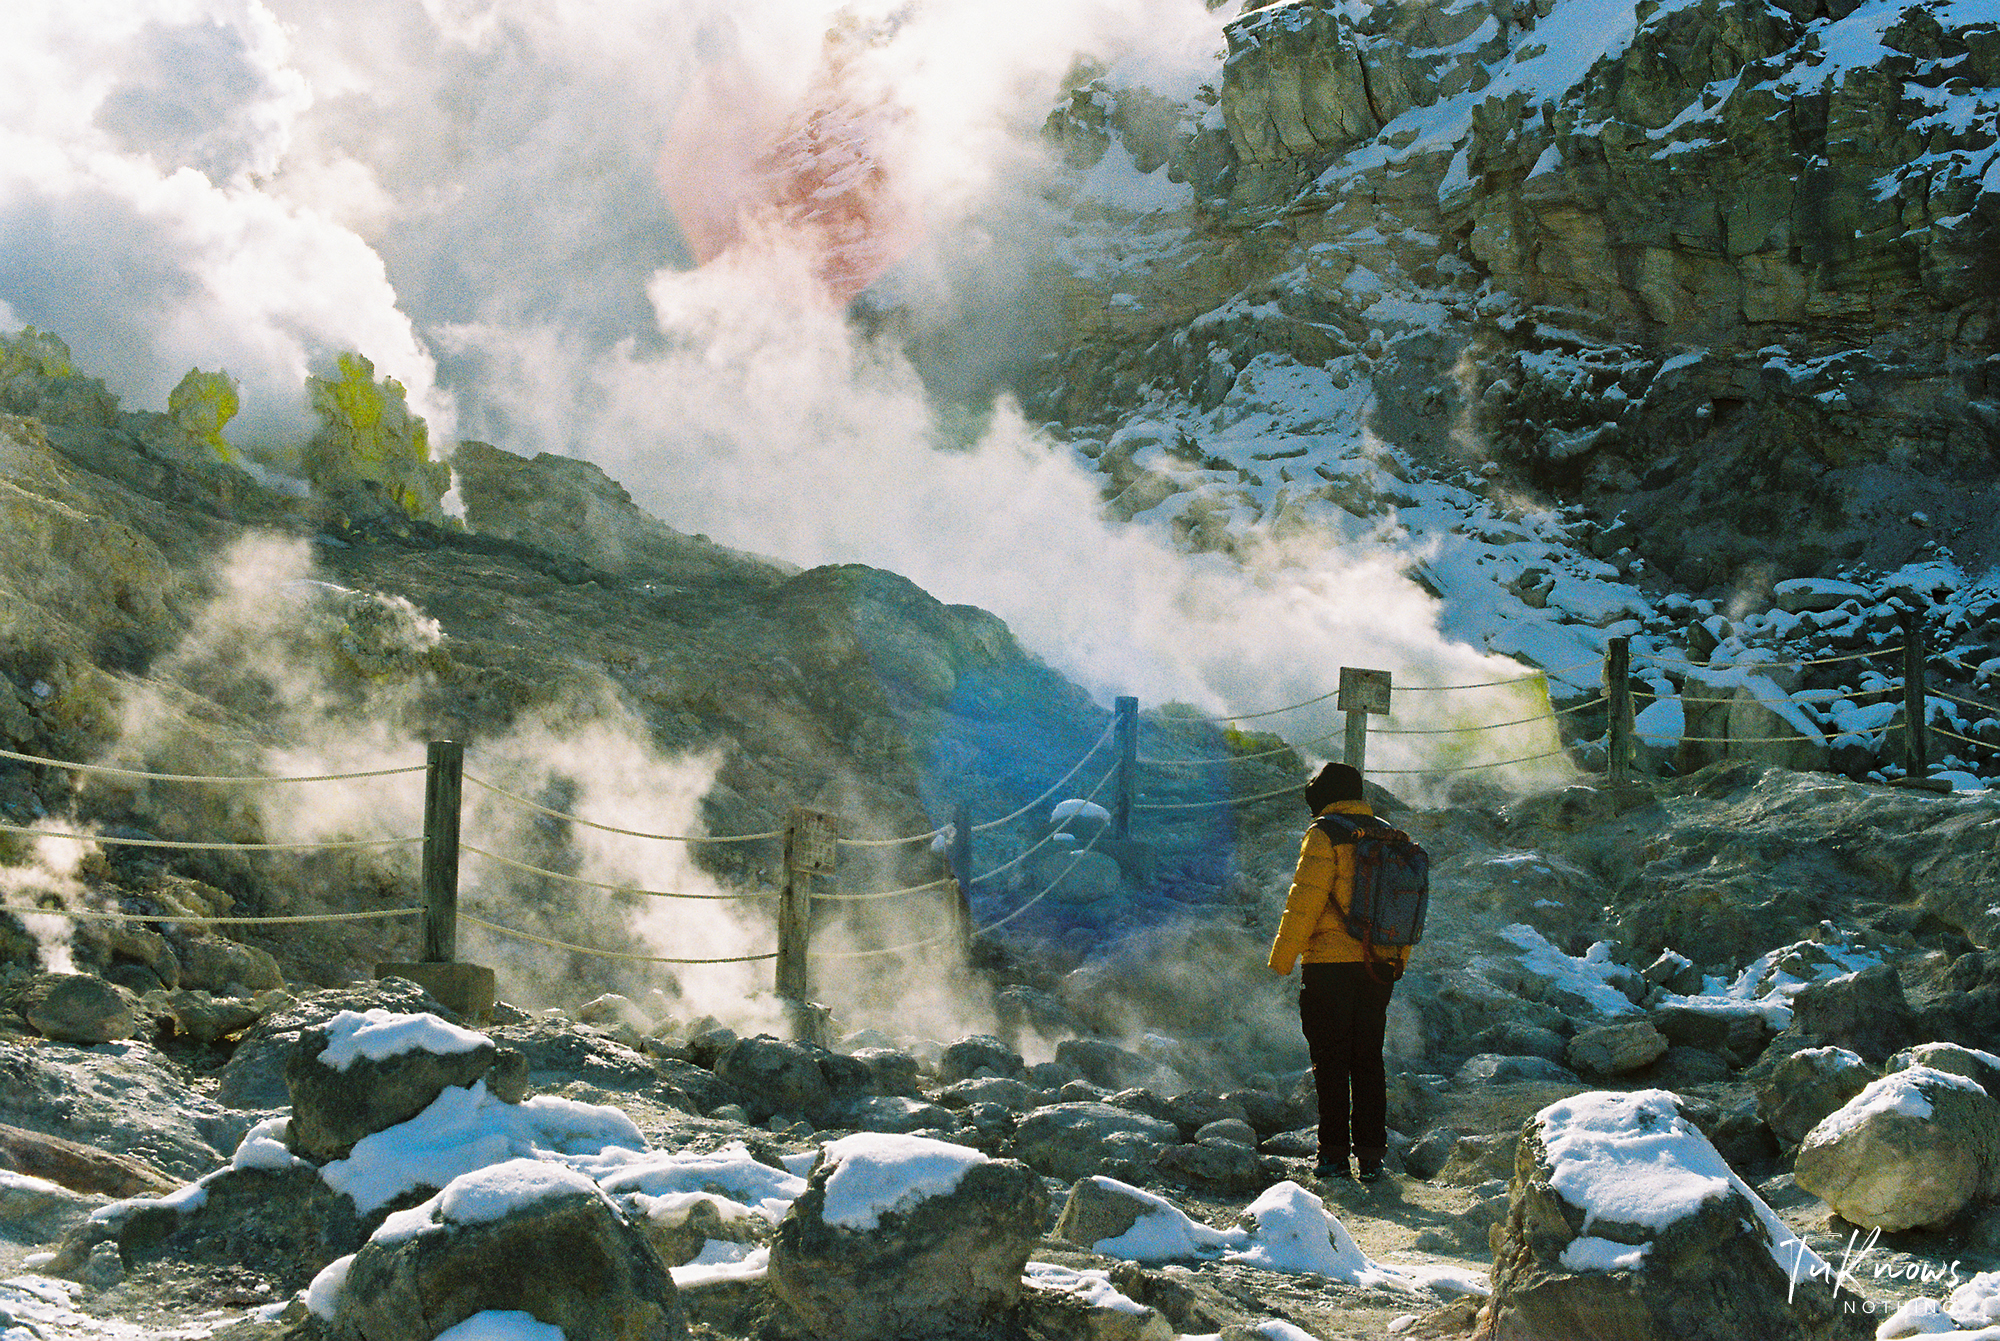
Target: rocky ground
1495, 1023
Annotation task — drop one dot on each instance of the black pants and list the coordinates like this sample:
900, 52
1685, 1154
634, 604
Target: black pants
1344, 1010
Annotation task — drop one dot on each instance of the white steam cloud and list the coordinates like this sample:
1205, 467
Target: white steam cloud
502, 203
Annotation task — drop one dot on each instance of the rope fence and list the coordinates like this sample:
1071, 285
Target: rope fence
811, 840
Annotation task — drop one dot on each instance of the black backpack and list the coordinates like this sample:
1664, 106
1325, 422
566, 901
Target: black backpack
1392, 883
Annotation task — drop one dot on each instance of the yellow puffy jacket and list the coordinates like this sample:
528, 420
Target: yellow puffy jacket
1314, 927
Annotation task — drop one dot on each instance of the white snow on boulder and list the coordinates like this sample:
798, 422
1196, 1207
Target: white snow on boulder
1164, 1233
381, 1034
1632, 1159
1898, 1092
466, 1129
499, 1190
662, 1185
1585, 977
874, 1173
1093, 1287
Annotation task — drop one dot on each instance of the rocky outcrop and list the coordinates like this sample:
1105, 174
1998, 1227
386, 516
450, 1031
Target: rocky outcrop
938, 1252
1913, 1148
522, 1236
1584, 1256
336, 1101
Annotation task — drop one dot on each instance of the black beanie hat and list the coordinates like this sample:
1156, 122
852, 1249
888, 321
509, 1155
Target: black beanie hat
1334, 782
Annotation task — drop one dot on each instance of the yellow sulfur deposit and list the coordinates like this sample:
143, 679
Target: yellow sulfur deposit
201, 405
368, 437
39, 352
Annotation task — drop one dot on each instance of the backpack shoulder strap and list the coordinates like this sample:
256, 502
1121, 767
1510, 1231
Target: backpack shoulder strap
1338, 828
1348, 828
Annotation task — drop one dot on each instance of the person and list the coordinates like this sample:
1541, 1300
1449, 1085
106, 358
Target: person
1345, 988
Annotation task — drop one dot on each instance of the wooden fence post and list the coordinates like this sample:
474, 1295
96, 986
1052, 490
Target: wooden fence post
1128, 767
1355, 751
1916, 698
811, 845
1618, 709
961, 871
444, 783
1362, 691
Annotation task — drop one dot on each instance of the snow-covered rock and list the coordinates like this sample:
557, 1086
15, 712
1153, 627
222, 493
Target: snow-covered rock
364, 1072
903, 1235
1912, 1148
524, 1235
1625, 1225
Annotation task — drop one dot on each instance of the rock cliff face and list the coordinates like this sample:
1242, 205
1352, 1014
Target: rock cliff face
1727, 267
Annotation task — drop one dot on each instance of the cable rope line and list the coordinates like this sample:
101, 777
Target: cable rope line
1049, 837
1489, 726
884, 894
1048, 890
1966, 666
525, 803
892, 950
499, 930
1968, 702
89, 916
1273, 712
213, 847
245, 779
1489, 684
601, 884
1231, 800
1807, 698
1773, 665
891, 842
1237, 758
1055, 787
1982, 744
1470, 768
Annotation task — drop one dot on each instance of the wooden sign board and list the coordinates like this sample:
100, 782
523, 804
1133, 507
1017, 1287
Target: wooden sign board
813, 841
1363, 690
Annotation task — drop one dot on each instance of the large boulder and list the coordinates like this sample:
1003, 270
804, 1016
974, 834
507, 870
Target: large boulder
525, 1236
774, 1076
361, 1073
1865, 1012
1624, 1224
980, 1055
1794, 1095
900, 1236
1228, 1167
254, 1076
1103, 1063
1614, 1049
276, 1220
77, 1008
1913, 1148
1737, 1035
225, 967
1074, 1140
